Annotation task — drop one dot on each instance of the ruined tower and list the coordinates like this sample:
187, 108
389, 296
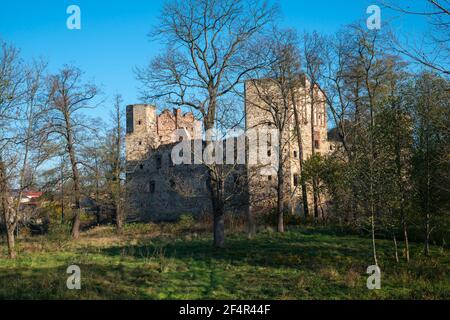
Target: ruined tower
159, 190
313, 133
141, 128
156, 189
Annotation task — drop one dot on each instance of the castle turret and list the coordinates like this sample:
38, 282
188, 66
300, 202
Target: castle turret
141, 129
152, 178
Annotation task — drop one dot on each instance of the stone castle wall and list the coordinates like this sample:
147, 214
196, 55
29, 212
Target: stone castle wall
159, 190
261, 106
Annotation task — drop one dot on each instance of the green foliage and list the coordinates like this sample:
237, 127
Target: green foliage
140, 228
186, 222
59, 234
396, 167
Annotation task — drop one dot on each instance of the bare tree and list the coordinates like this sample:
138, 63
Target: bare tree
313, 50
91, 156
33, 147
433, 51
355, 70
274, 98
11, 81
115, 162
68, 95
209, 54
297, 79
22, 107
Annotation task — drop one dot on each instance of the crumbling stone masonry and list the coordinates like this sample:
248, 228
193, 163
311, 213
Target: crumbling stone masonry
159, 190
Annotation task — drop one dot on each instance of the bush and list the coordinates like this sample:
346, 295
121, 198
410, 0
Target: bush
186, 222
59, 234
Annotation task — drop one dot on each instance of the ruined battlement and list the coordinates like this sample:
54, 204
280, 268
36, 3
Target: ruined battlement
161, 190
146, 130
167, 122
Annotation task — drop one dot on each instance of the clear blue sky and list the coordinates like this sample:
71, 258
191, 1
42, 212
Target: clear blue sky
113, 39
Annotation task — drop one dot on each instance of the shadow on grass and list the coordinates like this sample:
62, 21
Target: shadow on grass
98, 281
292, 250
310, 264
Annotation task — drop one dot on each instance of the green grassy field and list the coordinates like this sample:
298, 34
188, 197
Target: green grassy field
150, 262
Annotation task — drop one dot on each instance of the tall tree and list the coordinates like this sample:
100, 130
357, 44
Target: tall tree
68, 94
298, 133
272, 97
33, 147
355, 83
11, 96
91, 157
313, 51
115, 164
210, 51
22, 106
430, 101
278, 94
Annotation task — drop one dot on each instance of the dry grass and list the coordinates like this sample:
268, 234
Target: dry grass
176, 261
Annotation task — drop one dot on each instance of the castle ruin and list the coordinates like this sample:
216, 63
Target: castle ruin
160, 190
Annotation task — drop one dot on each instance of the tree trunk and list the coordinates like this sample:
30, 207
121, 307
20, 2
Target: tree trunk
251, 227
280, 205
305, 198
76, 217
313, 151
280, 186
119, 213
118, 163
405, 233
321, 209
76, 182
427, 200
219, 219
399, 164
374, 249
98, 209
11, 242
216, 183
62, 192
396, 249
219, 230
76, 225
371, 164
316, 199
6, 211
119, 218
280, 221
216, 186
300, 154
427, 235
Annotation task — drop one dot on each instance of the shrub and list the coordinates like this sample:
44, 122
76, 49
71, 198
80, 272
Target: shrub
186, 222
59, 234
